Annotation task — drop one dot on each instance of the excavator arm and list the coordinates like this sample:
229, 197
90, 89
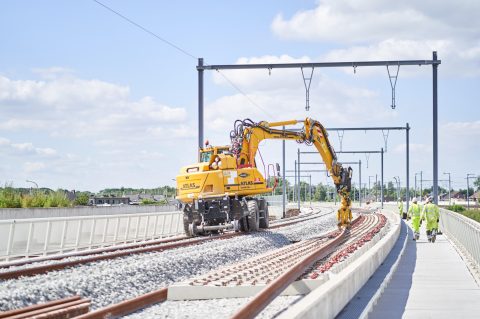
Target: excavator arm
247, 135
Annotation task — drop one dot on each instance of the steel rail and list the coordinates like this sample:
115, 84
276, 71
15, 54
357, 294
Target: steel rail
91, 251
11, 313
42, 269
62, 308
124, 247
273, 289
128, 306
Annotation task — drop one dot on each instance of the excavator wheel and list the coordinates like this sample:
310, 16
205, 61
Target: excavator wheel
253, 218
265, 222
186, 222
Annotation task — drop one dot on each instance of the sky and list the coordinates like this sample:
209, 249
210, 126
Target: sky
90, 101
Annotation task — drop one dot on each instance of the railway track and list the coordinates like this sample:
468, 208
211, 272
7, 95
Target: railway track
275, 270
116, 252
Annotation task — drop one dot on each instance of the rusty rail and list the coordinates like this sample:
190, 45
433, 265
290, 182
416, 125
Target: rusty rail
120, 252
91, 252
59, 309
128, 306
273, 289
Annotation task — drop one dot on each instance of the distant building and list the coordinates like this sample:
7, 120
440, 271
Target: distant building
108, 200
475, 196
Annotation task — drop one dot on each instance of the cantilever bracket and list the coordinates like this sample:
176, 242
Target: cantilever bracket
385, 138
307, 81
393, 84
340, 137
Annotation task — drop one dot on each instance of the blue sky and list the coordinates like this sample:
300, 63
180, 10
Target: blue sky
88, 101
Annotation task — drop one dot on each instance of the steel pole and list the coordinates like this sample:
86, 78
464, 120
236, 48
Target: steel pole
468, 195
449, 190
421, 185
284, 179
360, 183
295, 184
381, 178
200, 105
299, 173
310, 193
435, 130
415, 184
376, 185
407, 193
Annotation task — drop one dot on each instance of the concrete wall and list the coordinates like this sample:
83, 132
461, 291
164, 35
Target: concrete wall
22, 213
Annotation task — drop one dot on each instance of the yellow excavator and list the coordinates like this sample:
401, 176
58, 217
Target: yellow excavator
222, 190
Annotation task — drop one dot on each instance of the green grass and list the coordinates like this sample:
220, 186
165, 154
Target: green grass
472, 213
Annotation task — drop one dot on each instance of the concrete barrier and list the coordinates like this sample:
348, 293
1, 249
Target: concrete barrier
23, 213
329, 299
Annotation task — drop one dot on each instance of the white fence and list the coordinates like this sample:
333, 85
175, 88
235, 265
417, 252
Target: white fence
41, 236
465, 232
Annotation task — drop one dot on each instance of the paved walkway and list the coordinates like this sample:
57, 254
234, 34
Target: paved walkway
431, 281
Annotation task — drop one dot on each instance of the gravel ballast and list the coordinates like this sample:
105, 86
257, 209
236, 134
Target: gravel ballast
112, 281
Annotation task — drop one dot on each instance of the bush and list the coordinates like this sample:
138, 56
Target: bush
57, 199
473, 214
82, 199
9, 198
147, 201
456, 208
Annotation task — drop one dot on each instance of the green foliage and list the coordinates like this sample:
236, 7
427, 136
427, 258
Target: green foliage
82, 199
473, 214
477, 183
148, 201
9, 198
456, 208
57, 199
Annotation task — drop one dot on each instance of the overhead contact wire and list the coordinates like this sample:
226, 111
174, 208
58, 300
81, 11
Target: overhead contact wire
179, 49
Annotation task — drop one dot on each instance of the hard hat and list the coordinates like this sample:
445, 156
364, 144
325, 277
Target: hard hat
414, 199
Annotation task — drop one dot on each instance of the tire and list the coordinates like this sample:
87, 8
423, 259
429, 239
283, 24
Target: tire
186, 222
253, 220
186, 226
264, 221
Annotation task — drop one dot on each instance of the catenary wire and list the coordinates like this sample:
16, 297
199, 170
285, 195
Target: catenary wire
181, 50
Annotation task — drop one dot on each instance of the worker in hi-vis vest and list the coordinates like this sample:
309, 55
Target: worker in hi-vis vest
400, 207
431, 215
414, 213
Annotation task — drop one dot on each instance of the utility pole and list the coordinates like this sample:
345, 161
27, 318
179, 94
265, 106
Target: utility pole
421, 186
449, 189
284, 188
381, 173
299, 173
376, 185
468, 186
397, 183
295, 185
369, 188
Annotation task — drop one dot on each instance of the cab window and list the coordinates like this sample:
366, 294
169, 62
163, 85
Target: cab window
205, 156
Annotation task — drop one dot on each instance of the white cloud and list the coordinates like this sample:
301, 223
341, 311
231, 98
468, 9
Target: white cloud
76, 107
31, 167
413, 147
469, 129
25, 149
385, 30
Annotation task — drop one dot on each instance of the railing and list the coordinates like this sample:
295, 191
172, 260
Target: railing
465, 232
41, 236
